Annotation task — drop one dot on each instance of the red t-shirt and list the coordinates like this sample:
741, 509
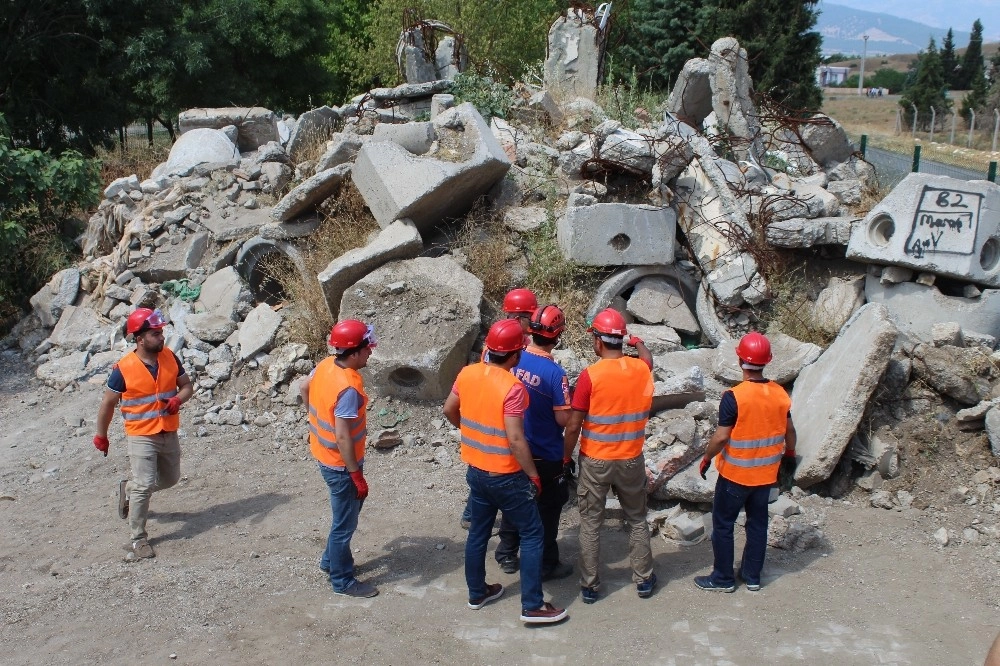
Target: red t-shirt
581, 394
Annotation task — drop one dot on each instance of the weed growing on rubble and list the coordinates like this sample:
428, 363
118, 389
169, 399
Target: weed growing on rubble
488, 96
314, 143
621, 99
790, 310
139, 159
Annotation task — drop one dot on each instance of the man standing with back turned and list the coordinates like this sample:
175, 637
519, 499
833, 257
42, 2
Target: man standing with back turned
755, 431
149, 384
610, 410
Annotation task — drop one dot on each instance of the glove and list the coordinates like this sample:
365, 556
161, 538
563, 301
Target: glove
790, 453
634, 341
102, 443
538, 484
360, 484
569, 467
173, 405
703, 467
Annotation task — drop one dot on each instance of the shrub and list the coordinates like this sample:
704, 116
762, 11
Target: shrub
489, 97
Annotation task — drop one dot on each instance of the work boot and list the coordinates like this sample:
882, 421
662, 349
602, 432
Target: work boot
358, 590
557, 571
509, 564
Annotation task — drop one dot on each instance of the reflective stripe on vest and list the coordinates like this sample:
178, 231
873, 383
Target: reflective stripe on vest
144, 403
327, 383
620, 397
482, 390
753, 454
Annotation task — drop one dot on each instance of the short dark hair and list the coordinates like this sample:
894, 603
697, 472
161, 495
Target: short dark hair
542, 341
610, 345
353, 350
498, 358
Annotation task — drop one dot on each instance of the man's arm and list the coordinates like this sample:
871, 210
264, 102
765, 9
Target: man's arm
643, 352
562, 416
106, 411
451, 409
342, 429
574, 425
719, 440
185, 389
514, 425
791, 437
304, 391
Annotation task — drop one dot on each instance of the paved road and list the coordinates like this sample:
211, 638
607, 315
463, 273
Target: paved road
892, 167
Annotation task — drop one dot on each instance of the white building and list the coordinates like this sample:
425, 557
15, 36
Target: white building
831, 76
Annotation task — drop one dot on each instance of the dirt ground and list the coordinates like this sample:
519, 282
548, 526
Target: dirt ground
236, 576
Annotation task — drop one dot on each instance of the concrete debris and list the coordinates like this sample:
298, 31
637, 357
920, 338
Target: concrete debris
311, 193
419, 60
784, 506
947, 333
941, 536
617, 234
837, 302
255, 126
794, 534
916, 308
881, 499
655, 300
197, 147
525, 219
59, 292
575, 54
960, 373
826, 140
790, 356
798, 232
658, 339
313, 127
258, 330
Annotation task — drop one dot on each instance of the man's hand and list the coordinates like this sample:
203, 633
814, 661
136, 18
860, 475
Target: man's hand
538, 484
790, 453
634, 341
703, 467
569, 468
360, 484
173, 405
102, 444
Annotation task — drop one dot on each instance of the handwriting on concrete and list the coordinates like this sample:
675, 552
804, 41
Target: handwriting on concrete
946, 222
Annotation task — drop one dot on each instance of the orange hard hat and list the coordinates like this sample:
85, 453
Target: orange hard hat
548, 321
609, 322
520, 301
351, 333
754, 349
505, 336
144, 319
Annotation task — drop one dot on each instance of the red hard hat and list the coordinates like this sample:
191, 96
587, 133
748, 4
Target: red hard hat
351, 333
144, 319
520, 301
548, 321
609, 322
505, 336
754, 349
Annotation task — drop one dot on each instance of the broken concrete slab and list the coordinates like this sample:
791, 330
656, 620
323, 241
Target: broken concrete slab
255, 126
76, 327
655, 300
799, 232
258, 330
297, 228
915, 308
209, 326
312, 127
400, 240
951, 371
790, 356
688, 485
784, 506
525, 219
59, 292
425, 332
831, 394
731, 278
658, 339
64, 371
848, 192
172, 262
574, 55
615, 234
310, 193
837, 302
417, 138
230, 223
341, 149
199, 146
935, 224
826, 140
220, 292
397, 184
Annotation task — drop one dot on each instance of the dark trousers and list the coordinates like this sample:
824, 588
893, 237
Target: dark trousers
730, 497
555, 493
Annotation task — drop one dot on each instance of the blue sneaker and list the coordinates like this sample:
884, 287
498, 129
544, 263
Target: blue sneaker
705, 583
753, 587
589, 594
645, 588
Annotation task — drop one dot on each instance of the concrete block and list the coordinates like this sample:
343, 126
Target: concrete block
935, 224
257, 332
220, 293
947, 333
441, 103
400, 240
75, 328
895, 275
826, 140
210, 326
784, 506
63, 371
658, 339
688, 528
837, 302
731, 278
397, 184
199, 146
231, 223
655, 300
790, 356
255, 126
172, 262
415, 137
617, 235
831, 394
572, 64
915, 308
799, 232
60, 291
524, 219
310, 193
313, 126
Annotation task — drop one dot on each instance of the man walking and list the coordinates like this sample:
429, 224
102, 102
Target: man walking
610, 410
149, 385
755, 431
335, 395
487, 403
544, 420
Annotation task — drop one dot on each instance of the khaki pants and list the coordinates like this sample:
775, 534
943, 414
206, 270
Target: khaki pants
156, 465
628, 478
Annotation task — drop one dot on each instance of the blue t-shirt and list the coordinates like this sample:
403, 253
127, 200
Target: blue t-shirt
116, 382
728, 410
548, 390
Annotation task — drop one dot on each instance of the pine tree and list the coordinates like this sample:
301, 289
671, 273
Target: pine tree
948, 58
975, 99
927, 89
655, 38
972, 60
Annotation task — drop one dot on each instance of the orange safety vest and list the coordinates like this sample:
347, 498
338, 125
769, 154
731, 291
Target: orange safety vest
757, 443
621, 394
482, 389
144, 403
326, 385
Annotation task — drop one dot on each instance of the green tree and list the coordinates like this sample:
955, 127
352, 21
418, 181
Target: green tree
972, 60
975, 99
927, 89
654, 38
949, 61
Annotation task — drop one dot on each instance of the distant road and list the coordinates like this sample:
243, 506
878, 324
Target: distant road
892, 167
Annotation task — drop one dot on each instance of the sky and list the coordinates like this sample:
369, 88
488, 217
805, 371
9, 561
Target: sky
957, 14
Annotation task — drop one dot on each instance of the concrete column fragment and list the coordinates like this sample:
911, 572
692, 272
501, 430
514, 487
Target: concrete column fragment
617, 234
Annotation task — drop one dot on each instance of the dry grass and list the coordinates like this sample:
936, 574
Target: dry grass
790, 310
140, 159
314, 144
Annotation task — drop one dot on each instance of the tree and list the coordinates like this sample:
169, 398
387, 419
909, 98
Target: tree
948, 59
972, 60
975, 99
655, 38
927, 90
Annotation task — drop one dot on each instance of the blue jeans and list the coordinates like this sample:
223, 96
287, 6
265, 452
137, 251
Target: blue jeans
337, 558
514, 495
730, 497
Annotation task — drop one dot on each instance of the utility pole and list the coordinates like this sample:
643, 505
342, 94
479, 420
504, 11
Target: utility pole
864, 56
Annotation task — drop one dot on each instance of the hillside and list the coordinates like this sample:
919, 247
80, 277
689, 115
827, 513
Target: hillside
842, 28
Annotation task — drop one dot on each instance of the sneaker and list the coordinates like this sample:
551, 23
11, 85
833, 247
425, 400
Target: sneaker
589, 594
558, 571
547, 614
509, 564
358, 590
141, 549
645, 588
325, 570
493, 592
705, 583
753, 587
122, 500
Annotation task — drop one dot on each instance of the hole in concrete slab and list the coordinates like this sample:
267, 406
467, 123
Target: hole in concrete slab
267, 281
620, 242
406, 377
881, 229
989, 257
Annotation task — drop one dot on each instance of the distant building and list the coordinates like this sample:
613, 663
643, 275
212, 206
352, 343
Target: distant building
831, 76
